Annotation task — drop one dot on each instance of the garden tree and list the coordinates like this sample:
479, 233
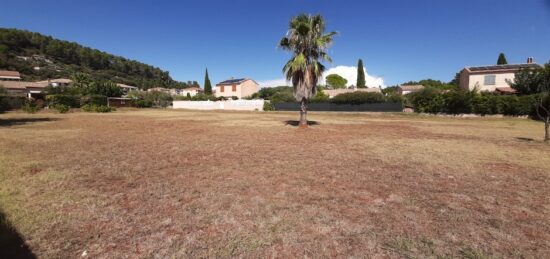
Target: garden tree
336, 81
529, 81
543, 106
437, 84
502, 59
106, 88
81, 81
207, 84
360, 75
307, 40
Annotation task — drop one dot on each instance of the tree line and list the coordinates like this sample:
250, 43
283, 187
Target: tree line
39, 57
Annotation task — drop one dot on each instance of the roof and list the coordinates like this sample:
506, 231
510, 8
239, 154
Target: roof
57, 80
192, 88
506, 90
411, 87
235, 81
160, 89
502, 68
335, 92
125, 86
10, 74
22, 85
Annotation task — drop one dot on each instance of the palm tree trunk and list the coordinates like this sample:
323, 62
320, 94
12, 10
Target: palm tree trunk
303, 113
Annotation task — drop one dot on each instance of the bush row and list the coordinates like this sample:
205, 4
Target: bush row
10, 102
75, 101
432, 100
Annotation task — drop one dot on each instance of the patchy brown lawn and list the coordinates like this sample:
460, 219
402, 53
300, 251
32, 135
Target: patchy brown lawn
223, 184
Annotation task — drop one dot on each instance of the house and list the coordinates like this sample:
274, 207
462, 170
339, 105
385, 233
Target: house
9, 75
407, 89
127, 88
240, 88
33, 90
192, 91
335, 92
57, 82
159, 89
492, 78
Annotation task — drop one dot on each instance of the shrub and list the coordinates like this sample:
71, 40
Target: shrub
61, 108
428, 100
30, 107
97, 108
104, 108
69, 100
94, 99
357, 98
10, 102
282, 97
268, 106
144, 104
234, 98
459, 101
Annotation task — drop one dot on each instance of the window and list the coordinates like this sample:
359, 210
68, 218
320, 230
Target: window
221, 89
490, 80
234, 88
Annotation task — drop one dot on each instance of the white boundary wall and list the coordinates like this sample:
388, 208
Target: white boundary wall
238, 105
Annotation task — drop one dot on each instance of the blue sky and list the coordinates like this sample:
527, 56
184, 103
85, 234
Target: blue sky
398, 40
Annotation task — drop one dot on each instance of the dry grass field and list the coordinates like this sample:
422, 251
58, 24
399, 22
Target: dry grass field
164, 183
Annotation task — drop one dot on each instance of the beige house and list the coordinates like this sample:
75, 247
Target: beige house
492, 78
192, 91
127, 88
9, 75
159, 89
335, 92
27, 89
57, 82
240, 88
407, 89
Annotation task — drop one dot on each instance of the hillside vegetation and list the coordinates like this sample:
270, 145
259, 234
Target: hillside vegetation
39, 57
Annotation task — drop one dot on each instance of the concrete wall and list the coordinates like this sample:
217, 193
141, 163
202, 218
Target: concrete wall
236, 105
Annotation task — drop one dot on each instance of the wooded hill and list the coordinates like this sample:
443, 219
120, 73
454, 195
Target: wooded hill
39, 57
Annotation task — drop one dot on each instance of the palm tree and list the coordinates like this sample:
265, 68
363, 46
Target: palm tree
307, 41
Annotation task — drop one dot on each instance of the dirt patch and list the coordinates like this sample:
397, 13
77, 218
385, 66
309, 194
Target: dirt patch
192, 184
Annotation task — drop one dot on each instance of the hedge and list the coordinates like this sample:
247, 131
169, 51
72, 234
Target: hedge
72, 101
94, 100
465, 102
357, 98
10, 102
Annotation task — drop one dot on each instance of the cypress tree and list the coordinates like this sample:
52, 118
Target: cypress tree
360, 75
207, 84
502, 59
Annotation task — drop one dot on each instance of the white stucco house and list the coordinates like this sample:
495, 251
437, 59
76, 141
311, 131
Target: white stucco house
240, 88
192, 91
492, 78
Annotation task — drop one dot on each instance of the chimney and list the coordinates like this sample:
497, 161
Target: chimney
530, 60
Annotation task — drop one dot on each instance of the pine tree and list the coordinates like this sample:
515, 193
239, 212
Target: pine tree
360, 75
502, 59
207, 84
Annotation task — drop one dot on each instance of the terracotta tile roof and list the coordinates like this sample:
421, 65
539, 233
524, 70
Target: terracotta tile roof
235, 81
22, 85
9, 74
506, 90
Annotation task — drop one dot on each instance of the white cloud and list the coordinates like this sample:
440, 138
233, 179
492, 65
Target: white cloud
350, 73
273, 83
347, 72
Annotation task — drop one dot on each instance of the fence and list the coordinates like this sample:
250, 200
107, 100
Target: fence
367, 107
238, 105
